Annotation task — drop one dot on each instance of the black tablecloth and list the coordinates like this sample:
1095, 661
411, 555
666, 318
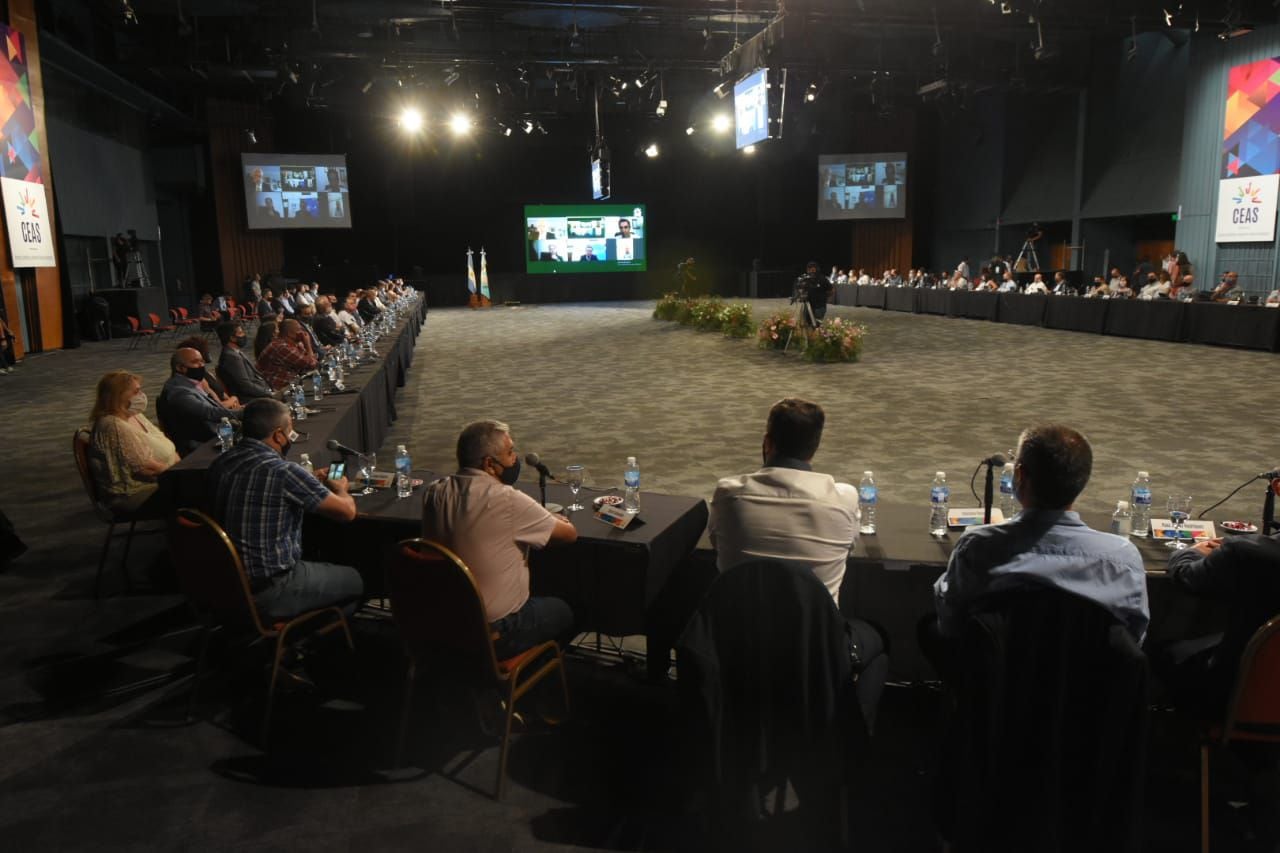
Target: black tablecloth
977, 305
933, 301
844, 294
871, 295
900, 299
360, 417
1076, 314
1157, 319
1251, 326
1022, 309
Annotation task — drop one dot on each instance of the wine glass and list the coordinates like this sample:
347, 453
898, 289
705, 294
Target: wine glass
368, 464
573, 476
1179, 512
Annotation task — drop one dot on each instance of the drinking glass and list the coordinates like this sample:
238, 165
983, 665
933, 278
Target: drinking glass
573, 476
368, 464
1179, 512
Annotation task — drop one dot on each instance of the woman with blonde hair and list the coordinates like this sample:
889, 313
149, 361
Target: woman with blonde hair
127, 453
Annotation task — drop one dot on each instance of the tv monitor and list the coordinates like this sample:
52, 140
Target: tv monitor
751, 108
296, 190
585, 238
862, 186
600, 177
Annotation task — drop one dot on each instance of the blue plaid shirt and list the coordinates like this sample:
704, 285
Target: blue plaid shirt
260, 499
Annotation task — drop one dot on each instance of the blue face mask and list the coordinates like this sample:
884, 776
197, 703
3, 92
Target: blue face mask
510, 475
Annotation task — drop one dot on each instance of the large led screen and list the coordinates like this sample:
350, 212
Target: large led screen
862, 186
572, 238
296, 190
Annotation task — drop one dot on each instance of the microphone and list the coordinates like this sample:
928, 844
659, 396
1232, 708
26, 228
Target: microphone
337, 447
1269, 475
997, 460
535, 462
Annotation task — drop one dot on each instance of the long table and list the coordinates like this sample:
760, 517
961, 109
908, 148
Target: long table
1244, 326
360, 417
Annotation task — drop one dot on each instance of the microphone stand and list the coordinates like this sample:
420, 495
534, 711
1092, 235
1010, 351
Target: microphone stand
542, 487
1269, 525
986, 495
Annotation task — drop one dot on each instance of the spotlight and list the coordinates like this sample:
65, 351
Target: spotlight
811, 94
506, 131
662, 107
528, 127
749, 150
1006, 9
451, 78
460, 124
250, 138
651, 151
1168, 17
542, 130
688, 131
364, 90
722, 123
411, 120
721, 90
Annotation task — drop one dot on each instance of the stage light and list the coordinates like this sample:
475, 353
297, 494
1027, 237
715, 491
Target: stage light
451, 78
811, 94
651, 151
749, 150
1168, 17
722, 123
688, 131
460, 124
364, 90
250, 137
411, 120
721, 90
662, 108
528, 127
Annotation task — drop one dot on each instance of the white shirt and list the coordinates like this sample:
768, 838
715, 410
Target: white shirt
1009, 286
348, 318
1036, 287
802, 517
307, 298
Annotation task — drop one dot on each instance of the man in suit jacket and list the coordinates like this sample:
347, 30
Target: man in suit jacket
189, 413
1245, 572
236, 370
368, 307
327, 328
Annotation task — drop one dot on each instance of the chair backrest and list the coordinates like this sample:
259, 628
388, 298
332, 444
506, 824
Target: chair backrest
155, 319
1255, 702
1048, 744
211, 572
175, 315
80, 448
134, 324
440, 614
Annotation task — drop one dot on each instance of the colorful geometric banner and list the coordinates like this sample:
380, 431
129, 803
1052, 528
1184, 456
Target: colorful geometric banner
1251, 135
26, 212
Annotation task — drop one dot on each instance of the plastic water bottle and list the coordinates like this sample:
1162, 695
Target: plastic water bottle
226, 434
404, 472
305, 461
299, 403
1121, 519
1008, 501
317, 385
1140, 524
939, 503
631, 482
867, 496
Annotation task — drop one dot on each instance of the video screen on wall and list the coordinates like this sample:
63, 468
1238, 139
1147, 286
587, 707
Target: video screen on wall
296, 190
569, 238
751, 108
862, 186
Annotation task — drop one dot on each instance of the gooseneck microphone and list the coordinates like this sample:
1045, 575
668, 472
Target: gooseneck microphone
535, 462
338, 447
996, 460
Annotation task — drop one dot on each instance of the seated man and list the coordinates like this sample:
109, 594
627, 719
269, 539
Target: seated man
260, 499
1244, 571
1061, 287
786, 511
288, 355
189, 412
479, 516
1008, 284
1045, 545
236, 370
326, 326
368, 306
1037, 285
349, 317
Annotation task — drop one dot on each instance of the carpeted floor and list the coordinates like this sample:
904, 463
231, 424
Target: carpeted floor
98, 754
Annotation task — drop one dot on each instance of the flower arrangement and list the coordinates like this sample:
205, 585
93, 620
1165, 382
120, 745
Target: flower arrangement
704, 314
775, 331
736, 320
684, 311
667, 306
835, 340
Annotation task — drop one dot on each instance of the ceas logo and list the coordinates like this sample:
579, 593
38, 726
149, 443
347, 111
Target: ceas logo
27, 205
1248, 193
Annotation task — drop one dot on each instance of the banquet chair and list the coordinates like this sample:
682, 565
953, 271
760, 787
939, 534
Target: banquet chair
80, 448
160, 327
440, 614
1253, 714
180, 318
214, 580
136, 332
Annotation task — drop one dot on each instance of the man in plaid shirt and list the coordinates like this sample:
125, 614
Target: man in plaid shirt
288, 355
260, 499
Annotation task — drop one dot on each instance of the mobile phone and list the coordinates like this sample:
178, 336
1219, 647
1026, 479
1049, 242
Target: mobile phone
337, 470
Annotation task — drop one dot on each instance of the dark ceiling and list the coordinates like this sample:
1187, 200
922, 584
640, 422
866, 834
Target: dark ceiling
529, 59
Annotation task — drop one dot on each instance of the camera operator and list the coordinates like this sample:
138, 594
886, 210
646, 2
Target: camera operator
814, 289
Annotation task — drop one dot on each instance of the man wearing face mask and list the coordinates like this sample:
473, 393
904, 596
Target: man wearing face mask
491, 526
189, 413
236, 369
261, 499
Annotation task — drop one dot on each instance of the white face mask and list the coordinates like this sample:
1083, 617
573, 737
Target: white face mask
138, 403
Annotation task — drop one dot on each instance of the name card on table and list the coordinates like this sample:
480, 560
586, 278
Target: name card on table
1192, 531
968, 517
614, 516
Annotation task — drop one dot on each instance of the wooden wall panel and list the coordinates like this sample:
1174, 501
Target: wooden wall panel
241, 252
882, 245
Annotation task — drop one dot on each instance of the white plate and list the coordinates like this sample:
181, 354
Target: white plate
1230, 527
611, 500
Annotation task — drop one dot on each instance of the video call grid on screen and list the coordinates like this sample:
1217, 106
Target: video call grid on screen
862, 186
569, 238
296, 190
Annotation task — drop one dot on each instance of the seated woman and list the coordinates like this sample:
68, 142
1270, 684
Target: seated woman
127, 453
267, 331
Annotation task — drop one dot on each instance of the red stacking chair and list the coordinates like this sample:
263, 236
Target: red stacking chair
136, 332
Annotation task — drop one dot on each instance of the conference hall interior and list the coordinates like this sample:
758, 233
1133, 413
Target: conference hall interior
651, 425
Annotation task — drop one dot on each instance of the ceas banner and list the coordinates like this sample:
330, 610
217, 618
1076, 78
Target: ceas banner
1247, 209
27, 215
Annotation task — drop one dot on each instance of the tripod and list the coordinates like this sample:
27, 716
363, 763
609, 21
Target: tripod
136, 271
1027, 259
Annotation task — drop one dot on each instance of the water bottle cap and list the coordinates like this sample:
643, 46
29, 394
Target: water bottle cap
1122, 504
1008, 466
631, 460
866, 473
400, 449
942, 475
1143, 475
